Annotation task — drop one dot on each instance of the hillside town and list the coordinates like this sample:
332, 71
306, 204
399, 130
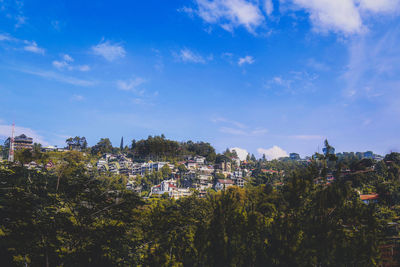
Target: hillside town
191, 175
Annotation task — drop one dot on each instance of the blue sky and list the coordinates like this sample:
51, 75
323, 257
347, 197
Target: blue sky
266, 76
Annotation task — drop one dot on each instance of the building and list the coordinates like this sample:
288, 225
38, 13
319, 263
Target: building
191, 164
49, 149
199, 159
169, 187
371, 198
239, 182
223, 184
20, 142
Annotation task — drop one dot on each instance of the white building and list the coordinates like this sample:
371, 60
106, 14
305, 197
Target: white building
169, 187
223, 184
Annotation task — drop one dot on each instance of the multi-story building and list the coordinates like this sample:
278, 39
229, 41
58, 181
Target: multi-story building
223, 184
20, 142
169, 187
148, 167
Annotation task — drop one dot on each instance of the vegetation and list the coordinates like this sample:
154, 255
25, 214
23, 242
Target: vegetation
161, 148
69, 216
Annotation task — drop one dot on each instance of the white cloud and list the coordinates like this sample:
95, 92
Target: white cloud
67, 58
65, 63
259, 131
186, 55
308, 137
6, 37
373, 71
109, 50
242, 153
230, 14
240, 131
59, 64
83, 68
245, 60
274, 152
131, 84
227, 121
340, 16
344, 16
233, 131
237, 128
293, 82
380, 5
33, 47
188, 10
312, 63
77, 98
30, 46
5, 132
58, 77
269, 7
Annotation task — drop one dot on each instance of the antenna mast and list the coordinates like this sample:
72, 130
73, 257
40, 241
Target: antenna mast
11, 150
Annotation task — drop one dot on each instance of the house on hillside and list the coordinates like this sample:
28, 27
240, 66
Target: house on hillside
223, 184
370, 198
169, 187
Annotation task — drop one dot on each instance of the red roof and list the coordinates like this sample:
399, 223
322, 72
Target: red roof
226, 181
369, 197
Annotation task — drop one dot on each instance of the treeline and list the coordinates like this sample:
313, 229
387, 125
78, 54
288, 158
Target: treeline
152, 148
161, 148
72, 217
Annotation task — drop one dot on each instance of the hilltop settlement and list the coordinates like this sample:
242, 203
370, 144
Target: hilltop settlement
160, 202
160, 167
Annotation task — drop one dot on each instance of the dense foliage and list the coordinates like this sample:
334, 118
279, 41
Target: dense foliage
69, 216
161, 148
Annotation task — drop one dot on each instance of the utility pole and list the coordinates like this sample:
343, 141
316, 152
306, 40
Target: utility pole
11, 149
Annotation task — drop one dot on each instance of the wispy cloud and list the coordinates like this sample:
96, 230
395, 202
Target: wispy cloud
307, 137
7, 37
316, 65
13, 10
245, 60
229, 14
77, 98
233, 131
33, 47
293, 82
30, 46
373, 68
227, 121
237, 128
131, 85
109, 51
259, 131
50, 75
66, 63
269, 7
187, 55
344, 16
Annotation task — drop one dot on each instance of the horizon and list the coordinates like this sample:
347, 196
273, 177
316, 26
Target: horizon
265, 77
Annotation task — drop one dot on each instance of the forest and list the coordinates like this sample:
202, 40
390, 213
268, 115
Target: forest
71, 216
